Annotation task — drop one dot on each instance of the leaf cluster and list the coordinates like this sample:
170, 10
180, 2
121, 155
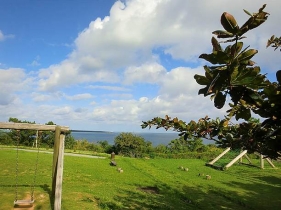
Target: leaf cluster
233, 75
274, 42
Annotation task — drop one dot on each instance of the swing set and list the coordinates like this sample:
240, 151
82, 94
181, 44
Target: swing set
239, 158
30, 202
57, 168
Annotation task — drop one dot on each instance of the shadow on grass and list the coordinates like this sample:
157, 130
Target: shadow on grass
254, 195
48, 190
263, 193
183, 198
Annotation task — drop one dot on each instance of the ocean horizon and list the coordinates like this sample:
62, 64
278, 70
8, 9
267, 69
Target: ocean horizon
154, 138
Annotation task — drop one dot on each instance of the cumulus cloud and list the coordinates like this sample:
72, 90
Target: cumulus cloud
125, 49
11, 81
146, 73
126, 39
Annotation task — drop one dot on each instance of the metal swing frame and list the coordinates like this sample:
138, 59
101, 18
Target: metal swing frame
30, 202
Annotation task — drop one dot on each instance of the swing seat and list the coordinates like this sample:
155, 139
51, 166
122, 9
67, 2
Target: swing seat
23, 202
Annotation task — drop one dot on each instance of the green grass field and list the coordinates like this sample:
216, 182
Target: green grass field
145, 184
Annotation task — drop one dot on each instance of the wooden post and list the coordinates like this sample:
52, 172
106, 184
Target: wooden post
222, 154
57, 170
55, 159
262, 161
113, 156
236, 159
241, 158
59, 174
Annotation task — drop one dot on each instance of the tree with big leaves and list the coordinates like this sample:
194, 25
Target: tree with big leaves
233, 75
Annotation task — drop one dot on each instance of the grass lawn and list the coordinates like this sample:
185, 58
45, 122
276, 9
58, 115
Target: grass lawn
90, 183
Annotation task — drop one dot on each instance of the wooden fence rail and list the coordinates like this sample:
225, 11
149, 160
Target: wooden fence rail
27, 126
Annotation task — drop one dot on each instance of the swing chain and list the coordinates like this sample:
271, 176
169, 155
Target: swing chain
32, 186
38, 136
17, 164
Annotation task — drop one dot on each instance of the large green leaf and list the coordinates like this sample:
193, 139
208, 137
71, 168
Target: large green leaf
217, 57
247, 55
249, 77
236, 48
216, 45
201, 80
208, 73
203, 91
229, 23
234, 73
223, 34
219, 100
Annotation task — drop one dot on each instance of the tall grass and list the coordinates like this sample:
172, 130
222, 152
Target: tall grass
145, 184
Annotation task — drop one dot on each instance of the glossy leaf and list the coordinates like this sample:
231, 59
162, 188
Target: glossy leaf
223, 34
236, 48
216, 45
208, 73
203, 91
229, 23
201, 80
247, 55
218, 57
219, 100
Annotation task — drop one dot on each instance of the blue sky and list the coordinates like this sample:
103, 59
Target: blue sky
109, 65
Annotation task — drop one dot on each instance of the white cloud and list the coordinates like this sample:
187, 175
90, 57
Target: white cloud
81, 96
11, 81
4, 37
127, 37
117, 51
146, 73
107, 87
39, 97
118, 95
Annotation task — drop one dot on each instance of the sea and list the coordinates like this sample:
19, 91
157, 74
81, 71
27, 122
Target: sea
155, 138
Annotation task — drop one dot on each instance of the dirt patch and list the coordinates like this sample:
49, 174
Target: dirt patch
150, 189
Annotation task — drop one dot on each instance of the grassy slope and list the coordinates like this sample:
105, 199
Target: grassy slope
93, 184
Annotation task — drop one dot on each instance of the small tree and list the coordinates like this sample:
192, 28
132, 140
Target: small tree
130, 145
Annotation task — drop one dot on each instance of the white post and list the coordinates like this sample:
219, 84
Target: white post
262, 161
270, 163
235, 159
247, 157
222, 154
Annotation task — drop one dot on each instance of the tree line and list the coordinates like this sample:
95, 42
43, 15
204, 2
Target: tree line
125, 144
